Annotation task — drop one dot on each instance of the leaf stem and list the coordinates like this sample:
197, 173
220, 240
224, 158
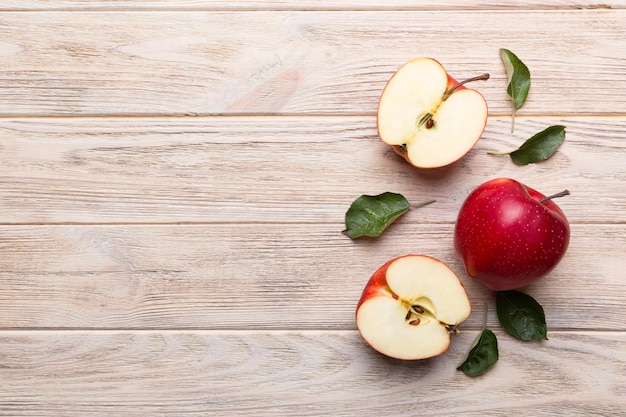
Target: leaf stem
485, 317
422, 203
513, 120
499, 153
557, 195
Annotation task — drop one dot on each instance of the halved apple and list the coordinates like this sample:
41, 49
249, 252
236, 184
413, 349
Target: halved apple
428, 117
411, 306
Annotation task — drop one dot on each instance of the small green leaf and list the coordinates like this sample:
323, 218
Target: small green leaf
521, 315
482, 355
539, 147
518, 77
370, 215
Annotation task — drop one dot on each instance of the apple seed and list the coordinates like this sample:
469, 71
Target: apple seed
414, 322
418, 309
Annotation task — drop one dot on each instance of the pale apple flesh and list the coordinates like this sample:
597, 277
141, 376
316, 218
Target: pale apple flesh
421, 126
410, 306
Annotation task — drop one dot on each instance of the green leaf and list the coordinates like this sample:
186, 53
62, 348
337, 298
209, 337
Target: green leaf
370, 215
482, 355
521, 315
539, 147
518, 77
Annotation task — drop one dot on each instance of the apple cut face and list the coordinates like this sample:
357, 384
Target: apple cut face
415, 94
410, 307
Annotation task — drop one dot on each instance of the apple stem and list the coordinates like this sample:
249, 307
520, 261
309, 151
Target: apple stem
550, 197
498, 153
452, 89
452, 329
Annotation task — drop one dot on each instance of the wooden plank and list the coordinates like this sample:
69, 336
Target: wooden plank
301, 373
305, 5
170, 265
266, 169
264, 276
330, 62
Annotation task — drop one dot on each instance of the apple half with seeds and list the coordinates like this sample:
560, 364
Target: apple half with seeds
428, 117
411, 306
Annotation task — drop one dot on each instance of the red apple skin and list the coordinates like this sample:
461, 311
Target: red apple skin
506, 237
377, 283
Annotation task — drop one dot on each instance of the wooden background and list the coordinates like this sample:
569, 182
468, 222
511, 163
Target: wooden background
174, 176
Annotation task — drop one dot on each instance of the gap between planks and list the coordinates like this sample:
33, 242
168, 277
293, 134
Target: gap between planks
261, 115
245, 332
304, 6
244, 223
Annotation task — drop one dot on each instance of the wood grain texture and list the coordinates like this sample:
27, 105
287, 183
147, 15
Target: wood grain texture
264, 276
301, 373
287, 169
173, 182
330, 62
305, 4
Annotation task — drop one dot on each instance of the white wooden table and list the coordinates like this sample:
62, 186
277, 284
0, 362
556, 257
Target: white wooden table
174, 176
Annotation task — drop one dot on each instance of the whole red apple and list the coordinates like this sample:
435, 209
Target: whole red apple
509, 235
